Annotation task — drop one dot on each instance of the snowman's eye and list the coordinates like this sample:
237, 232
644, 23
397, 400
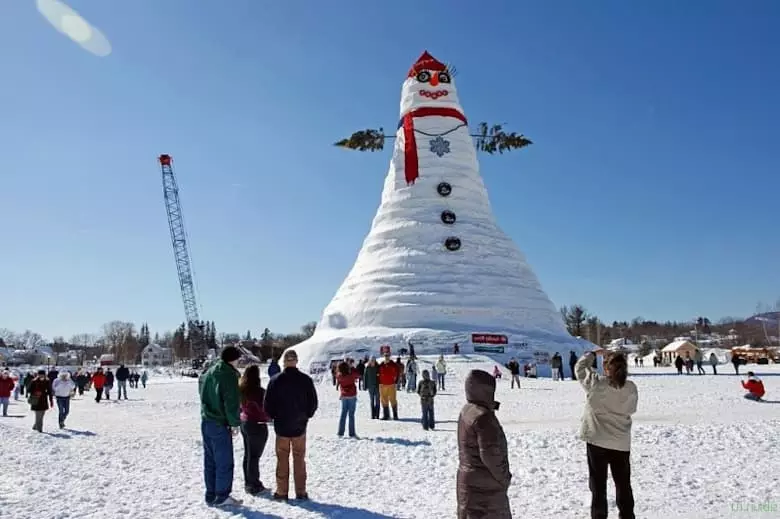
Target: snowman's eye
444, 77
423, 76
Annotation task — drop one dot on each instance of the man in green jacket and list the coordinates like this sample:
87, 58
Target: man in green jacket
220, 421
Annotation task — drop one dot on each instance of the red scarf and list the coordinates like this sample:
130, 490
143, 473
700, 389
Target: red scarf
411, 163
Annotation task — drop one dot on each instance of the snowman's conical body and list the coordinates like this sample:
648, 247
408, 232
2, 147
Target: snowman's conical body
407, 285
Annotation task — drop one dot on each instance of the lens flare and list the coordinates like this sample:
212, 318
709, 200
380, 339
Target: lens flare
71, 24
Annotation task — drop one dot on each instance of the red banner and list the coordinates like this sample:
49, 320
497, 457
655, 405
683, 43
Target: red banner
488, 338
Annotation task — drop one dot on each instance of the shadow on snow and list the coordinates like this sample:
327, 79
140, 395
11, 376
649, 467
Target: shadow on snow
342, 512
400, 441
419, 420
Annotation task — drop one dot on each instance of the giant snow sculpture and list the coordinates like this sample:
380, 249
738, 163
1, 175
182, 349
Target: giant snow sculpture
435, 269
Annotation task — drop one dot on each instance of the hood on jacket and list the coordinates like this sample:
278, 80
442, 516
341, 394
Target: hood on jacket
481, 389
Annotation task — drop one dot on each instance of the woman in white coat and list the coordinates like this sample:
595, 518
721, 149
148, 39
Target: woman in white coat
63, 388
606, 429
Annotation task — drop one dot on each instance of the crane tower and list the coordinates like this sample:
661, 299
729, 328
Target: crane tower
181, 251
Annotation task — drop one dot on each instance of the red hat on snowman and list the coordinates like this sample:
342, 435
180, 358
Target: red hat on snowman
426, 62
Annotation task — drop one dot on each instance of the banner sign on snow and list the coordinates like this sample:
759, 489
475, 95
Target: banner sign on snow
489, 349
488, 338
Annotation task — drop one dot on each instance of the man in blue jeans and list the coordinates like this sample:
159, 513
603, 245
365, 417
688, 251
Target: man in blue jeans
220, 421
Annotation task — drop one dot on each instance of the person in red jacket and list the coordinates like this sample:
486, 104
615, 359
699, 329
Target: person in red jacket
98, 382
388, 377
7, 385
347, 379
754, 387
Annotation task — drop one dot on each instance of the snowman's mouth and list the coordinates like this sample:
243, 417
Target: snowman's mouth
434, 94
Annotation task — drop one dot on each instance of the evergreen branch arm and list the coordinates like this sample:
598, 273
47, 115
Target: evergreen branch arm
495, 139
365, 140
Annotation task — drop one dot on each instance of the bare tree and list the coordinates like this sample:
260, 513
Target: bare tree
83, 340
118, 337
308, 328
29, 340
7, 336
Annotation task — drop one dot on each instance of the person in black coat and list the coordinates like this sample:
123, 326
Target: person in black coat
122, 374
109, 384
572, 363
40, 398
290, 401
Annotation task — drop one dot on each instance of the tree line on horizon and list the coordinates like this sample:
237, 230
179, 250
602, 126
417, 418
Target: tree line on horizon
126, 341
581, 323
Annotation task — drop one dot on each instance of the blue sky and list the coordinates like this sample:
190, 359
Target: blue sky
650, 190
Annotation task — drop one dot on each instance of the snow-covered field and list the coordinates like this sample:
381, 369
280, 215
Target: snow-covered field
699, 451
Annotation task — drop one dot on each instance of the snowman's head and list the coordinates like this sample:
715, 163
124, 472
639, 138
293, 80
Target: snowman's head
429, 83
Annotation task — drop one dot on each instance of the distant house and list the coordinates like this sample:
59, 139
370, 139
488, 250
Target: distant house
678, 347
156, 355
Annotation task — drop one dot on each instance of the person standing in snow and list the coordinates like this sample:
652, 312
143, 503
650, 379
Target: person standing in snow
144, 378
572, 363
63, 388
254, 427
6, 387
555, 366
679, 363
483, 468
606, 428
361, 369
388, 378
401, 383
109, 383
40, 398
714, 363
411, 375
220, 421
122, 374
81, 381
273, 368
426, 389
136, 378
291, 401
514, 370
99, 382
371, 384
348, 389
698, 357
735, 361
441, 371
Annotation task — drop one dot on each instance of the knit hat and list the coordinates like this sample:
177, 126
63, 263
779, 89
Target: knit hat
290, 355
230, 354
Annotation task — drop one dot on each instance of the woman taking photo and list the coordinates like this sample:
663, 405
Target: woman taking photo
254, 427
606, 429
347, 381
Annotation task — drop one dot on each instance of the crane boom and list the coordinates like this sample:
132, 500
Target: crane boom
181, 251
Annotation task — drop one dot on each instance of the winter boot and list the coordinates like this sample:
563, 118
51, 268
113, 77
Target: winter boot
385, 413
395, 412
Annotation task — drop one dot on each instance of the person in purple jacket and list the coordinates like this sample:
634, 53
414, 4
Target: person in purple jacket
254, 427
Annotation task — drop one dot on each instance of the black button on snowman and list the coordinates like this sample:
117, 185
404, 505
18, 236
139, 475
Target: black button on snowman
448, 217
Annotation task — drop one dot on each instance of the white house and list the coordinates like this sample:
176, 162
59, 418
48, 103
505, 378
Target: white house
156, 355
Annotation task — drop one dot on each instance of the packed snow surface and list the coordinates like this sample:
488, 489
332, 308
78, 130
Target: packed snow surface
405, 284
700, 451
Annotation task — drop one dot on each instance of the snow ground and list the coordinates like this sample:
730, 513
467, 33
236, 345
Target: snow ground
699, 451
